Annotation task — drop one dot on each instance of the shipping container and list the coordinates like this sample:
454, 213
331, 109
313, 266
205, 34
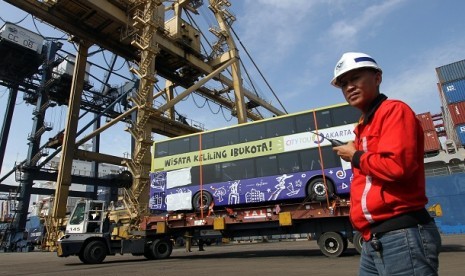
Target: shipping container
447, 191
461, 134
457, 112
22, 37
432, 142
451, 72
441, 95
454, 91
449, 125
426, 121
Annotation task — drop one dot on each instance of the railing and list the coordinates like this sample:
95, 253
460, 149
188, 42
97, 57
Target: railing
445, 169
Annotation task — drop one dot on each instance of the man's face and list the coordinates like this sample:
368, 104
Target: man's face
360, 87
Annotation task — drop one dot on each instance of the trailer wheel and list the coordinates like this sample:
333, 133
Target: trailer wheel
331, 244
317, 191
94, 253
207, 199
345, 243
358, 242
161, 249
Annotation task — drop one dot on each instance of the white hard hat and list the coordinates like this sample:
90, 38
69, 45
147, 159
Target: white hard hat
350, 61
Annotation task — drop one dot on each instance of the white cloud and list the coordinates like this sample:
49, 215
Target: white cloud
416, 84
273, 27
346, 31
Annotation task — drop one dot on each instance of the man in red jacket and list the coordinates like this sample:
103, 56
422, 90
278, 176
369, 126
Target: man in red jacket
388, 188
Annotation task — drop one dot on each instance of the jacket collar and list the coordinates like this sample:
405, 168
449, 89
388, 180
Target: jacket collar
374, 106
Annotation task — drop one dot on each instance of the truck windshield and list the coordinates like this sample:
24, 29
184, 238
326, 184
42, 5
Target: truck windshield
78, 214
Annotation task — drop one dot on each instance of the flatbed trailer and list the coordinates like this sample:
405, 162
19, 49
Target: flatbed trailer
327, 222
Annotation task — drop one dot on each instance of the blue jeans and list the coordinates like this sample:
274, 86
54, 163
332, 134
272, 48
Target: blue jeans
410, 251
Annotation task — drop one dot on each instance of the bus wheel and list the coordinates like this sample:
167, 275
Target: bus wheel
331, 244
161, 248
358, 242
203, 204
317, 191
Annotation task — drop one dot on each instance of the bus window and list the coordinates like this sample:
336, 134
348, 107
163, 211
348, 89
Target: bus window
227, 137
211, 173
251, 132
345, 115
195, 175
304, 122
289, 162
266, 165
331, 159
237, 170
310, 159
280, 127
194, 143
179, 146
161, 149
323, 118
208, 140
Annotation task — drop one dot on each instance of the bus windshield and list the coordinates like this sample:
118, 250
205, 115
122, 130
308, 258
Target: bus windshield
268, 161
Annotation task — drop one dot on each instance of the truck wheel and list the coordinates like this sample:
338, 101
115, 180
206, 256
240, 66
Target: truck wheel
81, 258
207, 199
148, 255
148, 251
94, 253
331, 244
358, 242
161, 249
317, 191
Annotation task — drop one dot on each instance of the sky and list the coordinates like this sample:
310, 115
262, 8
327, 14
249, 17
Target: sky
296, 44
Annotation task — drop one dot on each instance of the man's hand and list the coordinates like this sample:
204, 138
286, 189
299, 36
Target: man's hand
346, 152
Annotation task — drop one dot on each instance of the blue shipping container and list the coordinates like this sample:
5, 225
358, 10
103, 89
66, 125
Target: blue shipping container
449, 192
454, 92
451, 72
461, 133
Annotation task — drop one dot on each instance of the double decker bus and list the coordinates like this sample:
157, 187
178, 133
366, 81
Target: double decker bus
269, 161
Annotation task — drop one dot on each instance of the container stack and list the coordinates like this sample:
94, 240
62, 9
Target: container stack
432, 143
452, 92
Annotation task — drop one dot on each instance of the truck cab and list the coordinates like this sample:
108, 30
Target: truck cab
87, 217
90, 236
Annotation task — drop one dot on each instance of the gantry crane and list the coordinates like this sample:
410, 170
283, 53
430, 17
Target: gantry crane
158, 48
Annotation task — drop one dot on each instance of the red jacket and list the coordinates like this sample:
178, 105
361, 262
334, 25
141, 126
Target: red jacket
388, 166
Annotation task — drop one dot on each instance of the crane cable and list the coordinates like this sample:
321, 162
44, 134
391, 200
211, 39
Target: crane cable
210, 22
256, 67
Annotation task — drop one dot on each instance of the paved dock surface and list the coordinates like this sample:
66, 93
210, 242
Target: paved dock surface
285, 258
